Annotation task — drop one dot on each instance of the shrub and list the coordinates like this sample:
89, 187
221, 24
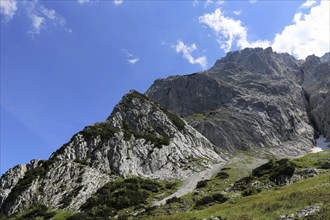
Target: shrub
115, 196
173, 200
218, 198
201, 184
49, 215
222, 175
105, 130
39, 211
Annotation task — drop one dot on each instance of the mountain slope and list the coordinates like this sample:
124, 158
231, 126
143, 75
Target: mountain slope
138, 139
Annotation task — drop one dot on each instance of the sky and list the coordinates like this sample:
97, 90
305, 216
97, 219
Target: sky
66, 64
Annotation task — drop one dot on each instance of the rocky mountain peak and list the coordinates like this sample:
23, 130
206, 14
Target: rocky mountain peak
255, 87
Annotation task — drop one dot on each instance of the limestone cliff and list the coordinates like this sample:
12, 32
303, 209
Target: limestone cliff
249, 99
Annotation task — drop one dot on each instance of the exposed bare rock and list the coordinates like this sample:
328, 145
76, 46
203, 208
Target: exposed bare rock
317, 87
138, 139
248, 99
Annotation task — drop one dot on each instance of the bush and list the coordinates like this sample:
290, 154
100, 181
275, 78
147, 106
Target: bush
222, 175
39, 211
173, 200
115, 196
250, 191
218, 198
49, 215
201, 184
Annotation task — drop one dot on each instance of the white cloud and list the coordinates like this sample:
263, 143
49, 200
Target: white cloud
37, 23
41, 17
253, 1
187, 50
308, 4
133, 61
118, 2
237, 12
309, 33
229, 31
8, 9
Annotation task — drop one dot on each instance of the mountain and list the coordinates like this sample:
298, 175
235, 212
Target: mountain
253, 100
139, 138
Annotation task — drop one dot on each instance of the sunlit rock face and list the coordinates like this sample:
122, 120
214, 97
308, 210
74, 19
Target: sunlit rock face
138, 139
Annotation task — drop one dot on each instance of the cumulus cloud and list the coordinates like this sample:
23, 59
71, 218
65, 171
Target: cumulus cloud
187, 50
309, 33
308, 4
229, 31
253, 1
118, 2
8, 9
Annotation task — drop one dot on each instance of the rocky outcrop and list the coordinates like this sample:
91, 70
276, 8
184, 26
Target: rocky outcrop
249, 99
9, 180
138, 139
317, 87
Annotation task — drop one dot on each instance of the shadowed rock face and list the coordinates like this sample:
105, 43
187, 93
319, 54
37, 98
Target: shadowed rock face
250, 98
317, 87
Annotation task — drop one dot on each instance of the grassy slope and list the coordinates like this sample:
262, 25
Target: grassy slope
265, 205
269, 204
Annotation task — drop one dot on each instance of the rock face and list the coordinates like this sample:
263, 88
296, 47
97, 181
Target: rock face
317, 87
138, 139
248, 99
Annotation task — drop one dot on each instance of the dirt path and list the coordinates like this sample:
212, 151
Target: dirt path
190, 183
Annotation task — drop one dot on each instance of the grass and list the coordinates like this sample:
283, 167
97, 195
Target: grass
268, 204
313, 160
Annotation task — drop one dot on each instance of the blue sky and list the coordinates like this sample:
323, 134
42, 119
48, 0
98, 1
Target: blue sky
65, 64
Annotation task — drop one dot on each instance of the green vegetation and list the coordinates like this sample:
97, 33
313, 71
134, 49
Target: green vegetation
120, 197
173, 200
249, 198
66, 201
104, 129
153, 138
215, 198
41, 212
319, 160
176, 120
201, 184
268, 204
